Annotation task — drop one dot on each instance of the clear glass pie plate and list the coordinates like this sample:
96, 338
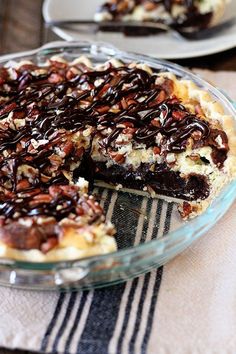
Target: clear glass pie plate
149, 231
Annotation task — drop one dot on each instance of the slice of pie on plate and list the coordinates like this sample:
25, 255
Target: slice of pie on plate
122, 125
194, 13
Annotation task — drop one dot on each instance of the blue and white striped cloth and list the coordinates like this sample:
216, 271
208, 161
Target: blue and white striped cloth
117, 319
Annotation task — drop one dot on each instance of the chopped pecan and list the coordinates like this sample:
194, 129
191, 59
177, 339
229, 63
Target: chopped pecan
18, 114
79, 210
156, 150
123, 103
155, 122
8, 108
168, 86
129, 131
22, 185
55, 78
185, 210
70, 191
131, 102
128, 124
103, 109
3, 75
159, 98
198, 110
68, 148
29, 193
28, 67
79, 152
51, 243
55, 160
194, 157
218, 139
149, 5
54, 190
71, 73
42, 198
119, 158
58, 64
94, 205
178, 115
123, 6
196, 135
103, 90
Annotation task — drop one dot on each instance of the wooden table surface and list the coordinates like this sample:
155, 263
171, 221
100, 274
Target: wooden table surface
24, 29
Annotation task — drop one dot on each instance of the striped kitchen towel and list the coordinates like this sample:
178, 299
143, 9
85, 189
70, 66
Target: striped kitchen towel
189, 307
110, 320
186, 307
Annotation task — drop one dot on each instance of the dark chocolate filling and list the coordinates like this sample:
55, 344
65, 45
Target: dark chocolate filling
161, 179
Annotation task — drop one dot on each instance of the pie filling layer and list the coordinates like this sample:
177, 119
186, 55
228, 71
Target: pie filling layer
161, 180
63, 124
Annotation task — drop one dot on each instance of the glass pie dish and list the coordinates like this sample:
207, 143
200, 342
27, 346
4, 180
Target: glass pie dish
149, 231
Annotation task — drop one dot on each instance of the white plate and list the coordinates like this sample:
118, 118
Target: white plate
162, 45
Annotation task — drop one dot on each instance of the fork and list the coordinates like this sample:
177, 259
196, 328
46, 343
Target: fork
189, 33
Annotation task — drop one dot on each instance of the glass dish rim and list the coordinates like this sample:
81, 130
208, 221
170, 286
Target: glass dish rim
170, 237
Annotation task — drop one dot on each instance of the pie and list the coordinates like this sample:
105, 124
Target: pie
67, 125
178, 13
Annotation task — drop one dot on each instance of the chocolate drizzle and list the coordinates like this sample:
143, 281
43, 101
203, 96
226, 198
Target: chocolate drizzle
47, 109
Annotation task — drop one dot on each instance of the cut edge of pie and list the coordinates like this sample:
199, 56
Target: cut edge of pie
189, 92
